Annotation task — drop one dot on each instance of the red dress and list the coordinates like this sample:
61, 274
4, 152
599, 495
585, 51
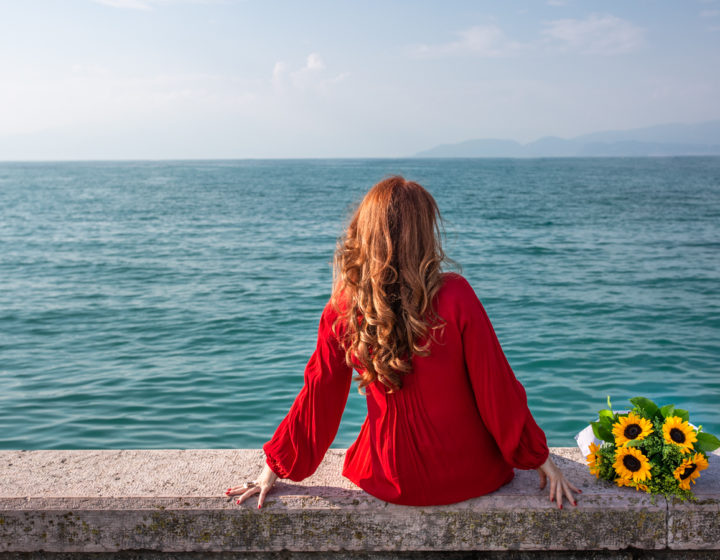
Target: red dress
455, 430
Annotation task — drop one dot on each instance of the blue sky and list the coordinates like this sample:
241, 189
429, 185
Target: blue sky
155, 79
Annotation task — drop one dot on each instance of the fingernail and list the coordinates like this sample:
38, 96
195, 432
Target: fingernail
560, 506
238, 502
258, 506
574, 503
580, 491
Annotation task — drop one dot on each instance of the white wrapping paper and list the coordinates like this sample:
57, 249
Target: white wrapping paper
584, 438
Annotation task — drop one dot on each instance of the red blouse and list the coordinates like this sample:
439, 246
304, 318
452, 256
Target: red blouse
455, 430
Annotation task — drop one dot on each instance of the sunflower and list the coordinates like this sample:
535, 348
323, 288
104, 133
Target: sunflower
631, 427
593, 459
627, 482
630, 463
689, 470
622, 482
679, 432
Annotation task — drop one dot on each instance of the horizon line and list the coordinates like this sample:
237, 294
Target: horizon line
316, 158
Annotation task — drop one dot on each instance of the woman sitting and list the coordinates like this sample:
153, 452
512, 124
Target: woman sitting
446, 418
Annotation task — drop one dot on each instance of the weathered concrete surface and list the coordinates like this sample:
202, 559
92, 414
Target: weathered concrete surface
354, 555
173, 501
350, 555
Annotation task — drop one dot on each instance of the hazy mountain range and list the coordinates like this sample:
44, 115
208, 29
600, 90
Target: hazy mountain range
659, 140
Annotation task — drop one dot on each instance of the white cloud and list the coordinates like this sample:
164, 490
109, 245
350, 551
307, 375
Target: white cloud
596, 34
311, 77
278, 72
314, 62
480, 40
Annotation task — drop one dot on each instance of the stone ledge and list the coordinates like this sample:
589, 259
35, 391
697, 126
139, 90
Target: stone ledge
172, 501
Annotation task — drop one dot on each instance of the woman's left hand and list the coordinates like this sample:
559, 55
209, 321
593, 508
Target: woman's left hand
263, 485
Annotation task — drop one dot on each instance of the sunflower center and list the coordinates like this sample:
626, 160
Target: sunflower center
678, 436
631, 463
632, 431
688, 471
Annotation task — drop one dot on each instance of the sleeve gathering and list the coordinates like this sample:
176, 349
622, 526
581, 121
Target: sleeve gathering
500, 397
300, 442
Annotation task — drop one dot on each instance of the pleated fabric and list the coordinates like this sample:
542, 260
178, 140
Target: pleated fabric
455, 430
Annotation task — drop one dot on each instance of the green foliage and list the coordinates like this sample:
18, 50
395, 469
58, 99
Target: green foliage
707, 443
664, 483
607, 415
664, 457
684, 414
607, 458
668, 410
648, 408
602, 432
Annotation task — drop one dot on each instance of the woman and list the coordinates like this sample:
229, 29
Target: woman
447, 419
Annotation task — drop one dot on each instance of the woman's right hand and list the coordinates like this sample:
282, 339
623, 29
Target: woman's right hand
264, 483
559, 485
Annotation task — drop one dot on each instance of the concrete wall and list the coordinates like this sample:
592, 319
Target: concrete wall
95, 501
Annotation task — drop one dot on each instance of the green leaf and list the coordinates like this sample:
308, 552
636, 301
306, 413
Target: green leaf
684, 414
607, 414
646, 405
606, 422
635, 443
601, 432
707, 442
608, 401
668, 410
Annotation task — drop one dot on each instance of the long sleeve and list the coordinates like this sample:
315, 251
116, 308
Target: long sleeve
500, 397
303, 437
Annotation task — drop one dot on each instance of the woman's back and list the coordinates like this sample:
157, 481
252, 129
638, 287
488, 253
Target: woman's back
434, 440
455, 429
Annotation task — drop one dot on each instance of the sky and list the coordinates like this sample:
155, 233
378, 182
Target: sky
175, 79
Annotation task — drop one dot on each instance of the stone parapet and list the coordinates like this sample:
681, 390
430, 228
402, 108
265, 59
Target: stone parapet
171, 500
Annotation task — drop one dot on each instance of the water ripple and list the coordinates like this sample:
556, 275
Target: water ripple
175, 304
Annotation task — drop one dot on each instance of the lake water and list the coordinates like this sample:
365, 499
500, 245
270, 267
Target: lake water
175, 304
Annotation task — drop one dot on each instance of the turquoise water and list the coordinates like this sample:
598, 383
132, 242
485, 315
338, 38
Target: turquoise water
175, 304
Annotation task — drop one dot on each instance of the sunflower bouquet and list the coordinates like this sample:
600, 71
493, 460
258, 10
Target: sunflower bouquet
650, 448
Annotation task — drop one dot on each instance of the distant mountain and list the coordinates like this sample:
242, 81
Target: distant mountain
661, 140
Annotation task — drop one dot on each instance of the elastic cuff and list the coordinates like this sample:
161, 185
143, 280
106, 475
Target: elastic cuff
276, 467
545, 458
